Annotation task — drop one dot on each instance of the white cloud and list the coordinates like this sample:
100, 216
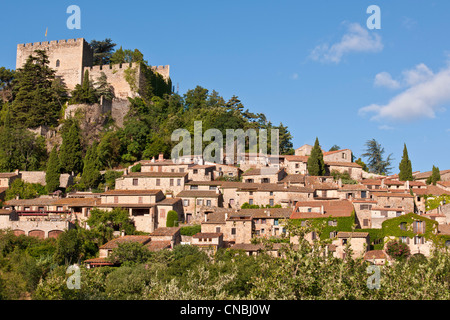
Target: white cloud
386, 127
411, 77
423, 99
294, 76
384, 79
357, 39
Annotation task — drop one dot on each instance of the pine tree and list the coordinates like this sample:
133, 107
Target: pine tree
376, 163
91, 174
71, 151
53, 174
405, 167
84, 93
435, 176
38, 96
316, 165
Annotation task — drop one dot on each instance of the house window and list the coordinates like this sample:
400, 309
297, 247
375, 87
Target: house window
250, 193
185, 202
208, 203
271, 203
199, 202
195, 171
419, 227
363, 194
158, 182
332, 223
419, 240
182, 170
231, 201
172, 170
178, 182
403, 226
265, 180
333, 234
276, 222
233, 231
250, 201
218, 229
171, 182
365, 222
404, 240
262, 231
135, 182
58, 63
194, 187
212, 188
263, 221
313, 235
163, 213
344, 241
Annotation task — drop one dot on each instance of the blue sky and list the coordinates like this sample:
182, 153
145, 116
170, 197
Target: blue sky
312, 65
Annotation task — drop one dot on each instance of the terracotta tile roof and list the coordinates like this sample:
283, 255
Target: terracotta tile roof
158, 245
267, 213
157, 163
392, 194
125, 239
131, 192
375, 254
204, 166
333, 152
335, 208
314, 183
247, 247
169, 201
78, 202
263, 171
341, 234
275, 187
296, 158
218, 216
376, 182
353, 187
8, 174
417, 183
343, 164
165, 231
3, 190
197, 194
4, 212
425, 175
204, 183
389, 182
203, 235
155, 175
294, 178
388, 209
31, 202
444, 183
430, 190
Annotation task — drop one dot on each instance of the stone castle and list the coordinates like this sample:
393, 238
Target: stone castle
71, 58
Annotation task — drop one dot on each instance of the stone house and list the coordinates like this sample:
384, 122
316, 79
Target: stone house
226, 171
421, 194
268, 223
194, 201
394, 200
358, 241
296, 164
344, 155
353, 169
170, 234
201, 172
209, 242
377, 257
168, 182
379, 215
304, 150
363, 211
294, 180
263, 175
423, 176
7, 178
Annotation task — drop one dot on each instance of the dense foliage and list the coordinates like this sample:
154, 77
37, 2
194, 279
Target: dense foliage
316, 165
375, 159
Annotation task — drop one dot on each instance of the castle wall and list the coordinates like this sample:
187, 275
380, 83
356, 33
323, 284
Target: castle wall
72, 55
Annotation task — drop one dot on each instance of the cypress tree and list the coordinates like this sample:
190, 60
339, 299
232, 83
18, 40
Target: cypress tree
316, 165
172, 218
405, 167
435, 176
71, 152
91, 174
53, 174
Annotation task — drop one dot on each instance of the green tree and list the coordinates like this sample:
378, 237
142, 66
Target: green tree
70, 153
103, 88
362, 164
53, 173
126, 56
405, 167
172, 218
397, 250
435, 176
6, 80
131, 252
39, 96
316, 165
24, 190
117, 219
91, 175
68, 248
103, 50
84, 93
376, 163
335, 148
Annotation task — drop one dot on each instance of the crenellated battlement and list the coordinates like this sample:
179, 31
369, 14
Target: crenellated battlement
52, 43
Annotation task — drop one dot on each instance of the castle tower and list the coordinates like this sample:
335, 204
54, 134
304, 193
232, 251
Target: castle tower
67, 57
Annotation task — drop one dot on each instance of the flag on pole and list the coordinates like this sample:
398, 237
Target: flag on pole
46, 30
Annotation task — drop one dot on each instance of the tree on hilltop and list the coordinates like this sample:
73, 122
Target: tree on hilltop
316, 165
376, 163
103, 50
52, 174
405, 167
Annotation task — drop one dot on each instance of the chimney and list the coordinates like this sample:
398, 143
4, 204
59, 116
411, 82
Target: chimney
153, 160
17, 171
407, 185
161, 157
226, 216
322, 210
382, 184
340, 182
